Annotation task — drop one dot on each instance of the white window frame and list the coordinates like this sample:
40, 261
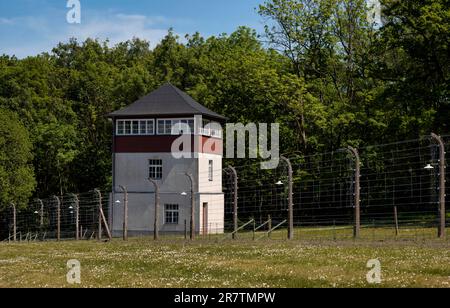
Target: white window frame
208, 129
211, 170
203, 130
216, 132
158, 169
171, 214
139, 132
173, 122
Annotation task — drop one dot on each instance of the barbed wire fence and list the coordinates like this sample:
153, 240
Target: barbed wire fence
71, 216
390, 191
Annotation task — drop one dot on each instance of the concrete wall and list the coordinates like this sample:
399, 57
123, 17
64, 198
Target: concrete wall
141, 210
215, 214
131, 171
206, 186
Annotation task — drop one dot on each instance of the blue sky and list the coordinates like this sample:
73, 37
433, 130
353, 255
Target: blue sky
29, 27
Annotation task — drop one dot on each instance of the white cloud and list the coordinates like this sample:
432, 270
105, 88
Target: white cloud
40, 34
120, 27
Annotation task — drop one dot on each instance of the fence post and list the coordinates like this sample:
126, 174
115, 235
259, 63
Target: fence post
41, 213
101, 217
397, 230
254, 229
125, 212
191, 179
14, 222
290, 199
235, 200
157, 201
439, 140
77, 217
357, 195
58, 217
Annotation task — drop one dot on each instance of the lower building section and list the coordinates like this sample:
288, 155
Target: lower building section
174, 213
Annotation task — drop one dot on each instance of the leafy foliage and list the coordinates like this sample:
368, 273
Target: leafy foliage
328, 76
16, 174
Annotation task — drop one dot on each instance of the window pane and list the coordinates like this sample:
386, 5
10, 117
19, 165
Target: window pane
143, 127
168, 127
211, 171
206, 127
161, 127
155, 169
191, 126
120, 128
150, 130
171, 213
135, 128
127, 127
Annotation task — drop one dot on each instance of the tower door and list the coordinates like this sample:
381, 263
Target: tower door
205, 218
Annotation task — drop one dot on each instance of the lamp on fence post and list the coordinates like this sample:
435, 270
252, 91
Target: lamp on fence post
441, 144
235, 200
357, 195
125, 212
192, 227
58, 217
290, 198
157, 201
77, 216
41, 213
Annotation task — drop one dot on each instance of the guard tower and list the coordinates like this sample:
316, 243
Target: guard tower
144, 135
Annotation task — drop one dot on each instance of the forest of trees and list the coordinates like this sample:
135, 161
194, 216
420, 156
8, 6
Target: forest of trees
321, 70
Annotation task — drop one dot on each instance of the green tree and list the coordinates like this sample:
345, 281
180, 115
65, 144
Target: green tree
329, 44
17, 181
417, 64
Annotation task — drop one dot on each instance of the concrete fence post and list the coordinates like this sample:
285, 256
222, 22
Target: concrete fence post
14, 222
442, 210
58, 218
156, 219
77, 216
235, 200
41, 213
125, 212
290, 198
192, 182
357, 194
102, 217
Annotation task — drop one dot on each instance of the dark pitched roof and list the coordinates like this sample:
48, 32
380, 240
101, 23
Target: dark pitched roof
168, 100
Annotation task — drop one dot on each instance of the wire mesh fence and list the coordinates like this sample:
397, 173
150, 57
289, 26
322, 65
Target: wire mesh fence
390, 191
398, 194
59, 217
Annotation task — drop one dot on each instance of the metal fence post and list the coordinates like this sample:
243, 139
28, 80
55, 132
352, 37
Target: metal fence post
357, 195
438, 139
191, 179
397, 230
157, 201
14, 222
41, 213
125, 213
101, 217
290, 199
77, 217
58, 217
235, 200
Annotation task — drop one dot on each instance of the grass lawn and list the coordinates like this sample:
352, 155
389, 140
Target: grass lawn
143, 263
